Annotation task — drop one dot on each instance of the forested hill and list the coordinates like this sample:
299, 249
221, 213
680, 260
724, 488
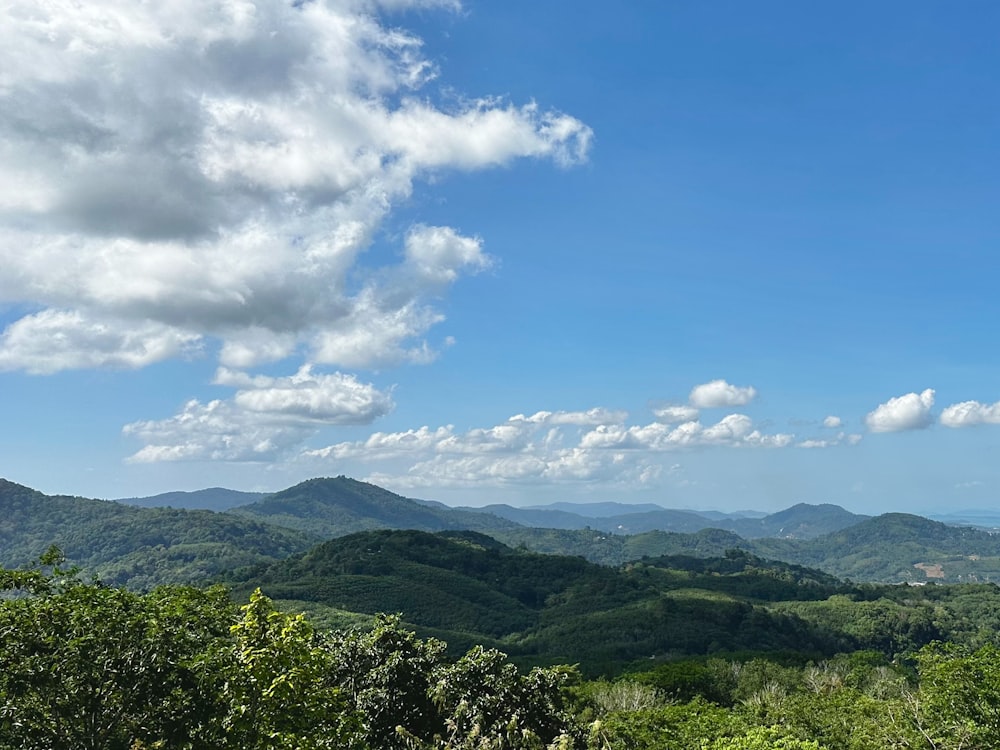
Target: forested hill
897, 547
892, 548
140, 547
467, 588
337, 506
470, 589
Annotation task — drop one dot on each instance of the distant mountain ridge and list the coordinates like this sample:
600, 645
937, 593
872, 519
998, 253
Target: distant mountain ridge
597, 510
340, 505
213, 498
801, 521
145, 546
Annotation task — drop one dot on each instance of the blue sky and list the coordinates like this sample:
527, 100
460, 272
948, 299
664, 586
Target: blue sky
711, 255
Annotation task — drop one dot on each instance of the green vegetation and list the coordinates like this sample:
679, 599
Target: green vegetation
91, 667
891, 548
466, 588
701, 641
141, 547
85, 666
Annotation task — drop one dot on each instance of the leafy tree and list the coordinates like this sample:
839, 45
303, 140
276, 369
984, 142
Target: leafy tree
678, 726
958, 705
488, 704
88, 667
274, 683
762, 738
386, 675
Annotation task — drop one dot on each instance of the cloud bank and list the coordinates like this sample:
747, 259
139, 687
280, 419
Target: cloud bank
591, 446
184, 177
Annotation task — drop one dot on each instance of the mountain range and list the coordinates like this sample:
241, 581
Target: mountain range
132, 543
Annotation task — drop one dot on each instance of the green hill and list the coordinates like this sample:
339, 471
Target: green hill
897, 547
140, 547
467, 587
339, 506
891, 548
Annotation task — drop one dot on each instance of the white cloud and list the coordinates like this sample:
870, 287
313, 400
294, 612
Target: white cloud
731, 428
674, 413
561, 446
265, 420
594, 416
842, 439
437, 254
568, 465
833, 422
216, 431
911, 411
384, 445
969, 413
719, 393
191, 170
328, 399
53, 340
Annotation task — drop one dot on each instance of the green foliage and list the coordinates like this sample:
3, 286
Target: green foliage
959, 698
274, 685
386, 674
762, 738
84, 666
680, 726
560, 609
92, 667
488, 704
890, 546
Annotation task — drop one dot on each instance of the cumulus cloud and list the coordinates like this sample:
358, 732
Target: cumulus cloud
674, 413
833, 422
265, 420
52, 340
969, 413
911, 411
719, 394
178, 172
385, 445
581, 446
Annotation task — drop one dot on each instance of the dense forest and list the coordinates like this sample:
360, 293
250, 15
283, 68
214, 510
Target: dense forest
83, 665
178, 628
